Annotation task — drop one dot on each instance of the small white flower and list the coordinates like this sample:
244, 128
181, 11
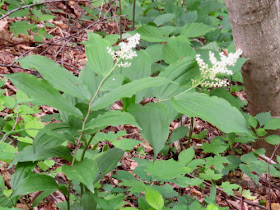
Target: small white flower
209, 74
126, 50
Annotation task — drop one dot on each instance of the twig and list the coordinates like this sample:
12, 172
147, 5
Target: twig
36, 4
269, 177
65, 38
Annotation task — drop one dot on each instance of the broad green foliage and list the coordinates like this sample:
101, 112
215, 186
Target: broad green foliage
42, 92
212, 109
153, 120
52, 72
166, 70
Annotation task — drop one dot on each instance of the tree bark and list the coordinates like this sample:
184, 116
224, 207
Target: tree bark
256, 30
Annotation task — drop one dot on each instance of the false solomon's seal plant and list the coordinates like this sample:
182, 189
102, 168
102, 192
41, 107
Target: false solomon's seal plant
84, 103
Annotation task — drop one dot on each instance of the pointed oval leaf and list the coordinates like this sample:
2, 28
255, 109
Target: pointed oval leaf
56, 75
195, 30
113, 118
152, 34
84, 172
42, 91
34, 183
216, 111
140, 67
176, 49
108, 161
164, 18
154, 198
100, 60
153, 119
127, 90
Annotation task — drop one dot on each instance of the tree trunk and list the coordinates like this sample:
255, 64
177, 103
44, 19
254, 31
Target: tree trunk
256, 30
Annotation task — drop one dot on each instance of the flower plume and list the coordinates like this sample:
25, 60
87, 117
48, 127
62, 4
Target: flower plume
209, 73
126, 50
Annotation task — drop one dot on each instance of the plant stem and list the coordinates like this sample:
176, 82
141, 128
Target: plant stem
190, 133
133, 15
121, 29
85, 149
83, 127
89, 110
68, 195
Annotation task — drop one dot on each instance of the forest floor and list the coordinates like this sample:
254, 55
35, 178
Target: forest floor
66, 49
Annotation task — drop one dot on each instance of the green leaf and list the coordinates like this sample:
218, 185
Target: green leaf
140, 67
7, 152
20, 27
164, 18
126, 144
186, 155
154, 198
7, 193
108, 161
42, 91
88, 202
222, 93
252, 121
113, 118
181, 73
112, 202
228, 188
261, 132
100, 60
166, 169
186, 181
201, 135
212, 207
272, 124
216, 146
176, 49
45, 165
178, 133
90, 79
273, 139
28, 154
153, 119
210, 175
263, 118
152, 34
56, 75
155, 52
42, 16
136, 186
247, 194
84, 172
195, 30
112, 38
33, 124
215, 110
217, 161
127, 90
35, 183
23, 170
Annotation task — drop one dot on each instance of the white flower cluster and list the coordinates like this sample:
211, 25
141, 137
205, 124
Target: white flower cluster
125, 52
209, 74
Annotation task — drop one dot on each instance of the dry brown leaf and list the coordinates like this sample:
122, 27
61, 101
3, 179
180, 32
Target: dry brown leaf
22, 206
133, 164
274, 206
